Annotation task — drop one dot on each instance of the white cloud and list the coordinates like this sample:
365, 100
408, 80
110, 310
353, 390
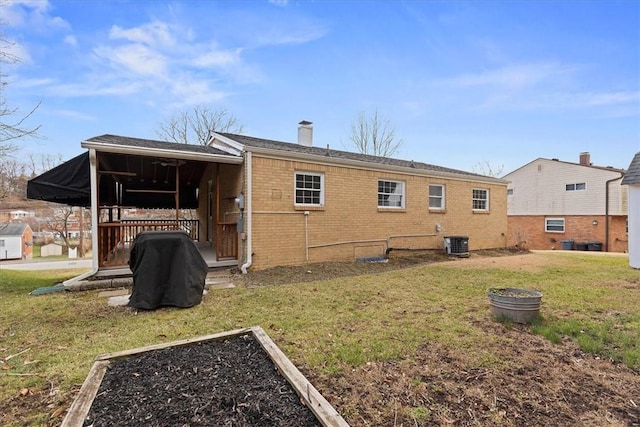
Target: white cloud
152, 34
73, 114
96, 88
32, 13
217, 58
134, 58
71, 40
513, 77
280, 3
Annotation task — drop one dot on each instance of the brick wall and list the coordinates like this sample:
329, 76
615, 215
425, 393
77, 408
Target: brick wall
529, 232
350, 225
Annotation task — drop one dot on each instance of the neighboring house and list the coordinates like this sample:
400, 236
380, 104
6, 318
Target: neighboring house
632, 180
554, 204
261, 203
16, 241
20, 214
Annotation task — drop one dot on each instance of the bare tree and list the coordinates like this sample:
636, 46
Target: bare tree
39, 163
13, 180
195, 126
60, 221
13, 124
485, 168
374, 135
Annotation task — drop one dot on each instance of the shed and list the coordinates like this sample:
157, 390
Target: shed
16, 241
632, 179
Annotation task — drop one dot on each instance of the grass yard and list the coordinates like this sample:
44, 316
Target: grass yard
406, 347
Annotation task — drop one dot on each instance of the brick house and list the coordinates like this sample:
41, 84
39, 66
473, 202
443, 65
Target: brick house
553, 204
261, 203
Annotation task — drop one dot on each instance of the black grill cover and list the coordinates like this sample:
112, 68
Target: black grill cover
167, 270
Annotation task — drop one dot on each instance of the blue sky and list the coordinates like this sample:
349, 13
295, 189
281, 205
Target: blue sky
462, 82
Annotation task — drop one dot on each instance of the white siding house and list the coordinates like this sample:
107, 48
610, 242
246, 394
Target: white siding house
632, 179
551, 201
15, 241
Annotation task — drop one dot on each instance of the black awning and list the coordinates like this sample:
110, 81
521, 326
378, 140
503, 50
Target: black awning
68, 183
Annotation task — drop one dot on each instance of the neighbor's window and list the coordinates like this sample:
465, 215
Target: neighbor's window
1, 243
480, 199
576, 187
554, 225
436, 196
509, 191
309, 188
391, 194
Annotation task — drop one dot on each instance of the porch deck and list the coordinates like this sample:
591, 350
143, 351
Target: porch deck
207, 251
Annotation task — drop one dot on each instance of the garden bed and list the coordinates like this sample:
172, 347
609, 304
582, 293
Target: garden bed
238, 378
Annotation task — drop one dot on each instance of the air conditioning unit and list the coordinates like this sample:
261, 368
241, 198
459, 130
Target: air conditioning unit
457, 245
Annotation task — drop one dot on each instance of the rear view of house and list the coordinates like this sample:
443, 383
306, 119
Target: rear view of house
260, 203
555, 204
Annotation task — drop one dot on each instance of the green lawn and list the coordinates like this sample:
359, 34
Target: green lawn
326, 326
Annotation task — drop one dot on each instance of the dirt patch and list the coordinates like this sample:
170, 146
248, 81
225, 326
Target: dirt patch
231, 382
397, 260
536, 384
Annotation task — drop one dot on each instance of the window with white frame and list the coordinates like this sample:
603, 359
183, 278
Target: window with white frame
480, 199
576, 186
1, 243
436, 196
390, 194
554, 225
309, 188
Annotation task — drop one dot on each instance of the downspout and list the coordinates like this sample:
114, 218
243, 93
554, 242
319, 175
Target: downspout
606, 210
248, 211
93, 177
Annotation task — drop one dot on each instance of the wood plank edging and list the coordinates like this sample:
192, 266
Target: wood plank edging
325, 413
82, 403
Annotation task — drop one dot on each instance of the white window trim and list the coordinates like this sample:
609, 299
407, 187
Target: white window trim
403, 195
575, 186
442, 198
486, 209
295, 188
546, 225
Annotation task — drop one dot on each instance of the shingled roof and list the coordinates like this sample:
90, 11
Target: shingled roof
250, 141
632, 176
12, 229
126, 141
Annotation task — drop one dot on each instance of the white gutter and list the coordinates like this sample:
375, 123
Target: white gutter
93, 177
247, 205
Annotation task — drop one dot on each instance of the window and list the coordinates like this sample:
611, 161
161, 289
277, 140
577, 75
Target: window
554, 225
576, 187
391, 194
510, 192
1, 243
436, 196
309, 188
480, 199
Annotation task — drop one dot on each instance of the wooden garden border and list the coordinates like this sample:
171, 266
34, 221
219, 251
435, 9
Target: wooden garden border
322, 409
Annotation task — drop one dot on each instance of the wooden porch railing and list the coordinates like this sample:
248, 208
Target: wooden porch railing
115, 238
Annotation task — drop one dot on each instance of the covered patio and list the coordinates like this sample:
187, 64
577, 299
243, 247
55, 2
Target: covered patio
134, 185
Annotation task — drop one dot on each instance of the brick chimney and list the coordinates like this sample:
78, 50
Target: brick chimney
585, 159
305, 133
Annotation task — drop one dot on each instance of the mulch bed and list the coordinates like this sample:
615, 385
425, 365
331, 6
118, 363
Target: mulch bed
230, 382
